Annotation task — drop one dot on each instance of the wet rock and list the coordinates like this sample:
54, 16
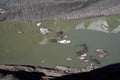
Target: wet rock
60, 34
93, 59
79, 53
101, 52
62, 68
83, 49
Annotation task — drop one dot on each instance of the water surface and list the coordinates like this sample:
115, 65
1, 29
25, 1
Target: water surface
20, 41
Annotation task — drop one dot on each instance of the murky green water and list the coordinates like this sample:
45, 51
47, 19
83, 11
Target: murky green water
20, 41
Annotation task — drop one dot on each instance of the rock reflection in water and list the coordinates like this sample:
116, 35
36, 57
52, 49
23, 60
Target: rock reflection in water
83, 49
93, 59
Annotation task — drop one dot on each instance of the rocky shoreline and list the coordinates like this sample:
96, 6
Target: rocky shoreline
27, 72
48, 73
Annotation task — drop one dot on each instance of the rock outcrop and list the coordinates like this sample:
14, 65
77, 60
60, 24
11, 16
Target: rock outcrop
23, 72
26, 72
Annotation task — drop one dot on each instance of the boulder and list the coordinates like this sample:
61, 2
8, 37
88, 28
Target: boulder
101, 52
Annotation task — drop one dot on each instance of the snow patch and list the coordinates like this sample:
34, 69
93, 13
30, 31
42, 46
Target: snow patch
116, 30
99, 25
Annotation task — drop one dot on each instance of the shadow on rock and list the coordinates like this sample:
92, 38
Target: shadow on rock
110, 72
23, 75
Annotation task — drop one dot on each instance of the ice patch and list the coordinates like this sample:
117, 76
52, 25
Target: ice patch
64, 41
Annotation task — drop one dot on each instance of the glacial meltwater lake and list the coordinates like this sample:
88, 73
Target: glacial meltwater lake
22, 42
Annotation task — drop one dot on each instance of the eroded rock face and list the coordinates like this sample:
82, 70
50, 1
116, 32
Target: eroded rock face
37, 10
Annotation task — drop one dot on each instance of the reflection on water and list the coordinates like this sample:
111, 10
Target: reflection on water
23, 42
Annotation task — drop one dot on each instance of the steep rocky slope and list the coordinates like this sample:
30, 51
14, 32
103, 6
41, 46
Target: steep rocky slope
29, 10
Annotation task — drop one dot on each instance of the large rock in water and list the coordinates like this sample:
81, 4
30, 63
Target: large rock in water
101, 53
36, 10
